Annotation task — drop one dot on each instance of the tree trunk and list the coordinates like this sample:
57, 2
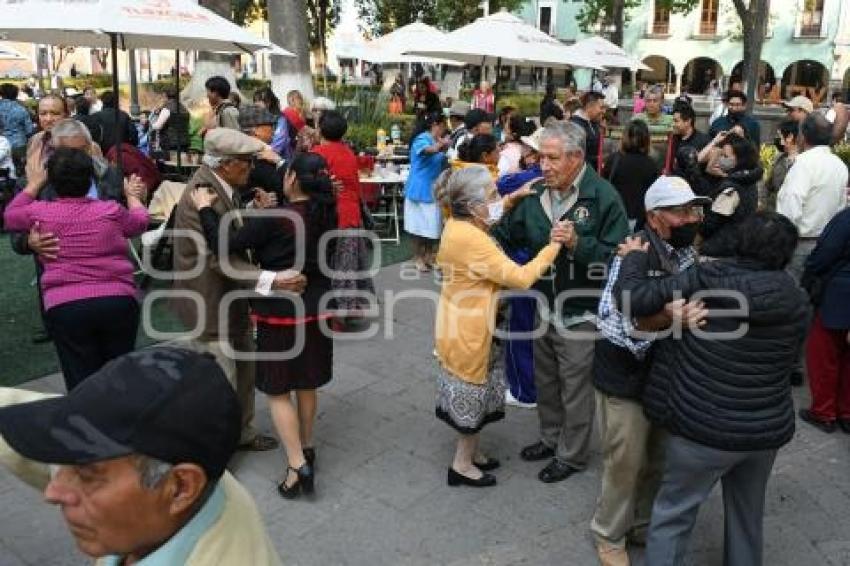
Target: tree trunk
288, 28
618, 15
209, 64
754, 22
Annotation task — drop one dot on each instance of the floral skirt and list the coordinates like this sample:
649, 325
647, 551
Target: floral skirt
351, 256
467, 407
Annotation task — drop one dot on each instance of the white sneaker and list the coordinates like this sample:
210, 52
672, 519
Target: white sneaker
514, 402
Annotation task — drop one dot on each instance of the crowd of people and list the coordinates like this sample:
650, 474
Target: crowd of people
629, 264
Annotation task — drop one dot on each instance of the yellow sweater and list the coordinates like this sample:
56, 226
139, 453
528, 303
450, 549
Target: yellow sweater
474, 270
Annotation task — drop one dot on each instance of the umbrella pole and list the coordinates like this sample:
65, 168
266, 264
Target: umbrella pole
113, 40
177, 85
496, 82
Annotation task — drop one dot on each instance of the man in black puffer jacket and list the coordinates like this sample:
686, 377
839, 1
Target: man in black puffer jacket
728, 406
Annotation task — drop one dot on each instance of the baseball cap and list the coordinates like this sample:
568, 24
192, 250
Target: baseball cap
224, 142
801, 102
253, 115
168, 403
533, 141
459, 109
474, 117
671, 191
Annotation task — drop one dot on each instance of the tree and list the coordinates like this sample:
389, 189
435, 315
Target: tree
288, 28
210, 64
383, 16
322, 17
102, 57
754, 18
58, 54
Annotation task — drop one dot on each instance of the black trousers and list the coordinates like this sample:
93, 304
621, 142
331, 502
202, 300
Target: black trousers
90, 332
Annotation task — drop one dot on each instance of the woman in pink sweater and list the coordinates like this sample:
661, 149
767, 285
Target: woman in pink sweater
89, 292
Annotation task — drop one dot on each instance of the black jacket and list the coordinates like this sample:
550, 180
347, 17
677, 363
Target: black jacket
732, 394
274, 243
744, 183
616, 370
591, 144
102, 127
830, 260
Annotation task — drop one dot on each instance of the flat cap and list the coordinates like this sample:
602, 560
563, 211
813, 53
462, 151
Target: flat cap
253, 115
224, 142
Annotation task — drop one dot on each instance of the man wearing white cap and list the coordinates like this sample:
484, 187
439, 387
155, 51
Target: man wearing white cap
798, 108
631, 444
227, 163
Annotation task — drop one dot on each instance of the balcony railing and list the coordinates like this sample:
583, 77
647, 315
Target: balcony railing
810, 30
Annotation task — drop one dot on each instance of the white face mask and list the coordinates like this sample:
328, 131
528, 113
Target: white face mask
495, 211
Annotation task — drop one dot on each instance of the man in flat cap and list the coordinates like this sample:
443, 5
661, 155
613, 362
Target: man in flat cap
138, 455
204, 282
267, 174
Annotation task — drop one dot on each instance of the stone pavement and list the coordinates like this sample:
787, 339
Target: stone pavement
382, 496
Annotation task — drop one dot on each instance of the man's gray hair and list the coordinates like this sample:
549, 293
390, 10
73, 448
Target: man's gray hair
460, 190
70, 128
570, 134
212, 161
151, 471
656, 90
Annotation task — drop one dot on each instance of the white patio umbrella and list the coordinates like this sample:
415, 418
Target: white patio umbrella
609, 54
154, 24
277, 50
504, 39
390, 48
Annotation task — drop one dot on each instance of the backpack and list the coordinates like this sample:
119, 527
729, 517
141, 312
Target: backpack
220, 110
135, 162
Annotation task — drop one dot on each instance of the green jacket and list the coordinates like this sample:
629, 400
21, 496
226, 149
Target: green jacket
601, 224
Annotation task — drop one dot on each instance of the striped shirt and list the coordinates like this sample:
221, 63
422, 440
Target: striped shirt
92, 235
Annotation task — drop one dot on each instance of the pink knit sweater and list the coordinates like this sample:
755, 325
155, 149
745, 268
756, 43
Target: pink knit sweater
92, 236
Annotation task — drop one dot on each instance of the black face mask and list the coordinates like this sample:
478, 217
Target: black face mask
735, 116
777, 141
683, 236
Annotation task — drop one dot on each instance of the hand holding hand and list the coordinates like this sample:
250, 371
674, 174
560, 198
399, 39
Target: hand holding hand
632, 244
264, 199
688, 314
203, 197
513, 199
43, 244
290, 281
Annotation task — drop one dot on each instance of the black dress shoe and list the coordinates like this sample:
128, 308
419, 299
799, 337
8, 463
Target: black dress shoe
843, 424
310, 456
487, 465
796, 378
556, 471
825, 426
305, 483
456, 478
536, 452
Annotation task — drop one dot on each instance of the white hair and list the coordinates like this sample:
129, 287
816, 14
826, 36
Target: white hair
70, 128
212, 161
571, 136
321, 103
460, 190
151, 471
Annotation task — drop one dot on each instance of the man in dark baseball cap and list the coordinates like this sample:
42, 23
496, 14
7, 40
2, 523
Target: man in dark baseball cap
475, 122
269, 167
140, 451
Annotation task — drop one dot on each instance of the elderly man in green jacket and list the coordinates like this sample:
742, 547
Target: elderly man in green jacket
596, 220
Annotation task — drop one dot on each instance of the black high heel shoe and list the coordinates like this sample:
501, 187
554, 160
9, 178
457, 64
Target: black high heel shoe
305, 483
456, 478
310, 456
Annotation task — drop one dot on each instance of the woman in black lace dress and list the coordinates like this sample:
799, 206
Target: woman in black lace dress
292, 327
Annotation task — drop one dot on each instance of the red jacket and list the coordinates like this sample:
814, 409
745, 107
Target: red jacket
342, 163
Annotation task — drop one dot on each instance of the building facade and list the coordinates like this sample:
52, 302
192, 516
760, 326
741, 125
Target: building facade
807, 47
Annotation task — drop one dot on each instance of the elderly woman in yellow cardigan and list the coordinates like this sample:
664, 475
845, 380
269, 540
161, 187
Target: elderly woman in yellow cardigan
470, 392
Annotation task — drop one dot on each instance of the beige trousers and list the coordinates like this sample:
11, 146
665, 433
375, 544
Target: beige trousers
240, 374
633, 463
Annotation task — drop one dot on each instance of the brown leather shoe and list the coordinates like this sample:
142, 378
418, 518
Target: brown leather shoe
611, 555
